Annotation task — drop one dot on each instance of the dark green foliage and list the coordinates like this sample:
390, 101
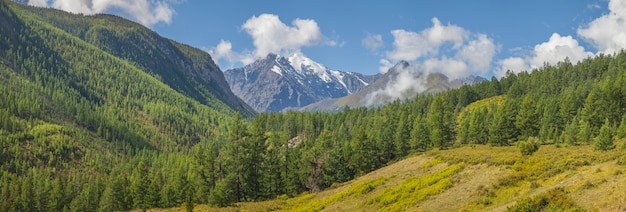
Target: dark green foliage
621, 129
584, 133
528, 147
478, 125
441, 122
420, 139
402, 136
94, 117
113, 196
527, 120
570, 134
604, 141
139, 186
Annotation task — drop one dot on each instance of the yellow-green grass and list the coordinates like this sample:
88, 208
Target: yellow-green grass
471, 178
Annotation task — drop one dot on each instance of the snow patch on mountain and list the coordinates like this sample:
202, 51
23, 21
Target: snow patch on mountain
277, 70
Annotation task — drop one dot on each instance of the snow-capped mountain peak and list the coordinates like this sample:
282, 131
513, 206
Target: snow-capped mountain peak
302, 63
278, 82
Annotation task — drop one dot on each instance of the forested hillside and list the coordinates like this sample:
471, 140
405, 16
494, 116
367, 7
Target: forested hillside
187, 70
563, 104
86, 128
83, 129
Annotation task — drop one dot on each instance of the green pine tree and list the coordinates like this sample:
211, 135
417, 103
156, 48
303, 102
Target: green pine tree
402, 136
420, 140
570, 134
584, 131
604, 141
621, 130
527, 120
139, 186
113, 196
441, 122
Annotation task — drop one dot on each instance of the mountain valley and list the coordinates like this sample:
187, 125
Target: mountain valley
99, 113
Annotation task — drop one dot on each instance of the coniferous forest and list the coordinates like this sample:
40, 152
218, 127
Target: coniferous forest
89, 122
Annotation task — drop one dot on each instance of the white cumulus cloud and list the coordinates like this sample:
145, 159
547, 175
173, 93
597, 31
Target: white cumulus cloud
478, 54
442, 48
372, 42
608, 32
270, 35
556, 49
447, 49
412, 45
451, 67
514, 64
146, 12
224, 50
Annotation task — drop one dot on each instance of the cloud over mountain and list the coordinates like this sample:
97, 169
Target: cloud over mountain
271, 35
443, 48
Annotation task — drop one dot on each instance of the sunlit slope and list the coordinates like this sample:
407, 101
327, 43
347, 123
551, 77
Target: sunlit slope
472, 178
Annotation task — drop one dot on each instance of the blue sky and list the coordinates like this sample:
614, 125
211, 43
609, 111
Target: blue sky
457, 38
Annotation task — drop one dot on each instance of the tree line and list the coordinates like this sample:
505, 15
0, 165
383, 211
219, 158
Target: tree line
83, 130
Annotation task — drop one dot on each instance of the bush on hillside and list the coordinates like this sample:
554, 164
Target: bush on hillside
553, 200
529, 146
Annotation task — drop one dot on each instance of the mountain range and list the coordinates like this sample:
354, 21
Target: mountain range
401, 81
276, 82
98, 113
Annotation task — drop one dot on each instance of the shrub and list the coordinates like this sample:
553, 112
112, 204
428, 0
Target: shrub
529, 146
553, 200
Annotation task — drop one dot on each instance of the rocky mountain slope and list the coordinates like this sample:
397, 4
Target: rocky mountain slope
402, 81
276, 83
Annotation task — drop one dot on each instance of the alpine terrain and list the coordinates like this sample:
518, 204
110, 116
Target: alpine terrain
402, 81
276, 82
98, 113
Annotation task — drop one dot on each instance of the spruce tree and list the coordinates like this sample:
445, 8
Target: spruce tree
153, 195
420, 135
584, 131
527, 120
621, 130
402, 136
497, 131
441, 122
139, 186
477, 126
569, 135
463, 128
234, 160
604, 141
113, 197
